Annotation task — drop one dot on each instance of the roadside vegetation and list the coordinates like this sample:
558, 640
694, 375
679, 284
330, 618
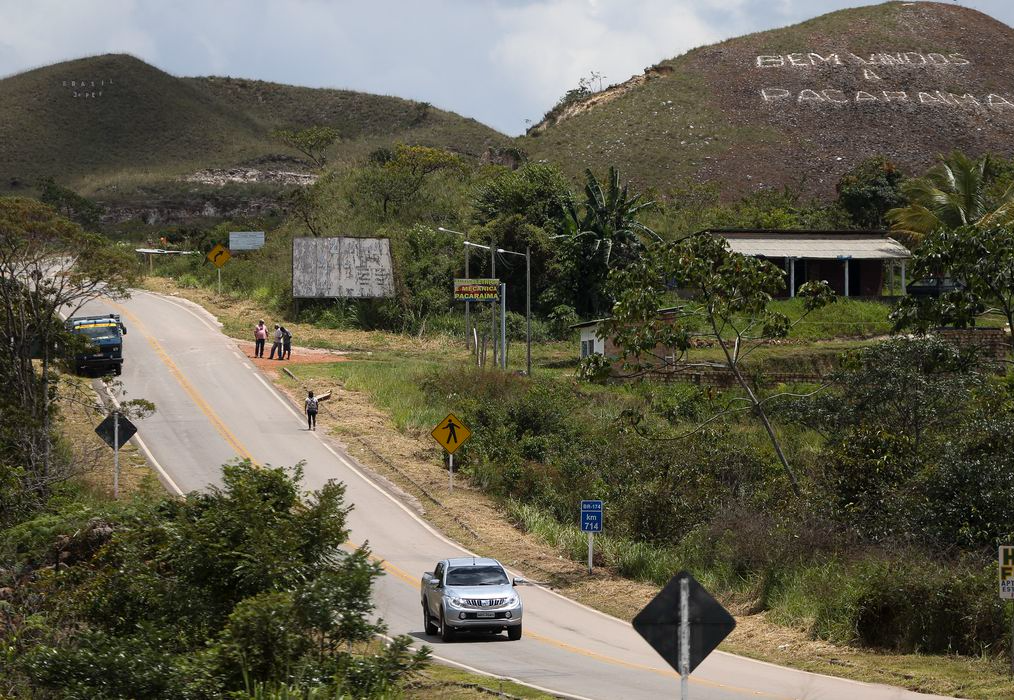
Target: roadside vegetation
861, 503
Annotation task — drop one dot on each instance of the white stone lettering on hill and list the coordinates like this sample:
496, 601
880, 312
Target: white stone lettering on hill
874, 67
86, 88
895, 58
939, 98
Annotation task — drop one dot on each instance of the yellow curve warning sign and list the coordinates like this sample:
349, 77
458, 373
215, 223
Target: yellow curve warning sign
451, 433
219, 255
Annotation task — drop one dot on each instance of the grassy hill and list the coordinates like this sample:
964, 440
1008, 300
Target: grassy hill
794, 106
113, 126
801, 105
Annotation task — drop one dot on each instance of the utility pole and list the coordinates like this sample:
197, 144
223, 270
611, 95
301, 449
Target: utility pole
528, 310
492, 307
468, 306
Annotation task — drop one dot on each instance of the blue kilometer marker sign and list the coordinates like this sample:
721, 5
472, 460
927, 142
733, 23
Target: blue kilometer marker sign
591, 516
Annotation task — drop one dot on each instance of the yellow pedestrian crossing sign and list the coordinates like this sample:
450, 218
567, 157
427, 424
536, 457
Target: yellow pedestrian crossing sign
451, 433
219, 255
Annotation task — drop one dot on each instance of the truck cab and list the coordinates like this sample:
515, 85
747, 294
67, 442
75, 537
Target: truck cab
102, 338
470, 594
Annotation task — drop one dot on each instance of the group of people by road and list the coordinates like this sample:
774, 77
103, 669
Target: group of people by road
282, 341
283, 345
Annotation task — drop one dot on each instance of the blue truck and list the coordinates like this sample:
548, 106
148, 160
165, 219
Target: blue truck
103, 346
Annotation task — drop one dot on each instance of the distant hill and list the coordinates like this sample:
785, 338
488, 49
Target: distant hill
801, 105
795, 106
108, 122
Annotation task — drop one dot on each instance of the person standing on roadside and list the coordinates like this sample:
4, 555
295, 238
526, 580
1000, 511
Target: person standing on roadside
311, 411
260, 335
286, 343
277, 344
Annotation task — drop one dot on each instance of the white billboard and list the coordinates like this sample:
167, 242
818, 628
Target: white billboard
347, 268
246, 240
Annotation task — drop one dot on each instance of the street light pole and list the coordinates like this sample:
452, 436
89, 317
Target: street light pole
528, 310
492, 274
468, 304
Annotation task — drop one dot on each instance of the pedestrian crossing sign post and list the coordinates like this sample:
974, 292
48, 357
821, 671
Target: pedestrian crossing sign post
451, 434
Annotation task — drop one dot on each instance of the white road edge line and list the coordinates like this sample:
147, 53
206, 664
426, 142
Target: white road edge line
479, 671
428, 527
166, 479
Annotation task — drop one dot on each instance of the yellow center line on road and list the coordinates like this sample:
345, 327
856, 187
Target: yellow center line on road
386, 565
189, 388
411, 580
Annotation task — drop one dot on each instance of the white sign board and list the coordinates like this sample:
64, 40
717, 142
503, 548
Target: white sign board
246, 240
347, 268
1006, 565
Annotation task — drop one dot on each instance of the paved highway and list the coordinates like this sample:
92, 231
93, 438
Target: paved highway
214, 406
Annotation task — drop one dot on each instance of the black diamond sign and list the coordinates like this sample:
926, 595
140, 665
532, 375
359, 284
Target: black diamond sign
659, 622
105, 431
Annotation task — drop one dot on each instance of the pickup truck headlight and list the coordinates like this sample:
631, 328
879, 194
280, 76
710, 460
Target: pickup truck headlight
458, 602
511, 600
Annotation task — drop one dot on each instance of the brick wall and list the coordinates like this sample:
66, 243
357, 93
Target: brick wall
993, 343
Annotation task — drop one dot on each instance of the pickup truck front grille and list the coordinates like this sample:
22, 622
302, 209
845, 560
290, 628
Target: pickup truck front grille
485, 602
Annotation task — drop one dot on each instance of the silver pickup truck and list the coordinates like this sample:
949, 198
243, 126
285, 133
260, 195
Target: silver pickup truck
470, 594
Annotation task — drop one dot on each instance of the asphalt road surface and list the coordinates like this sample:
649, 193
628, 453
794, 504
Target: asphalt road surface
214, 406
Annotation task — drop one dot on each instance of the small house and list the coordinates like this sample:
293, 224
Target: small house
854, 263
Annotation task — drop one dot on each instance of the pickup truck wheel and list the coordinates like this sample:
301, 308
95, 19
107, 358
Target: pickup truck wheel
514, 633
428, 622
446, 631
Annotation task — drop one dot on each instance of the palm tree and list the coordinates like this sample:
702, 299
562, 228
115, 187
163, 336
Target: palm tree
604, 234
953, 193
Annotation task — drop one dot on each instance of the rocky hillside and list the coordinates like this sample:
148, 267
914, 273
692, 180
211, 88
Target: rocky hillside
118, 129
801, 105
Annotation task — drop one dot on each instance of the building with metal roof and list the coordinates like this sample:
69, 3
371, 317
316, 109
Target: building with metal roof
854, 263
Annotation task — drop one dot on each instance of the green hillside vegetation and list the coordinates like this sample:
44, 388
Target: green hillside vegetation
148, 127
701, 114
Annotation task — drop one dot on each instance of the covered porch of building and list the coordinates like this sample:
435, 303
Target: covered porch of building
854, 263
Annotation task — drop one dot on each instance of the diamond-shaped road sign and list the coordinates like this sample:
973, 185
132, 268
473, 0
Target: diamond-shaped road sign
106, 431
451, 433
219, 255
659, 622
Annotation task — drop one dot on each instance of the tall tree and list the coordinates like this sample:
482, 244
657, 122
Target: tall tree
605, 233
981, 260
724, 298
313, 142
48, 266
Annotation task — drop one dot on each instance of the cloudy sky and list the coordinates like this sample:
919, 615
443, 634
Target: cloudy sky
500, 61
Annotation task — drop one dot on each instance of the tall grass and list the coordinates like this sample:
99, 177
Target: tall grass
395, 387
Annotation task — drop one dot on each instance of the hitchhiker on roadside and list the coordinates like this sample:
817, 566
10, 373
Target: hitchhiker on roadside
277, 344
260, 335
311, 411
286, 343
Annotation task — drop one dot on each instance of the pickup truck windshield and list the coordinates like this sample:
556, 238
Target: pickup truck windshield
476, 576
